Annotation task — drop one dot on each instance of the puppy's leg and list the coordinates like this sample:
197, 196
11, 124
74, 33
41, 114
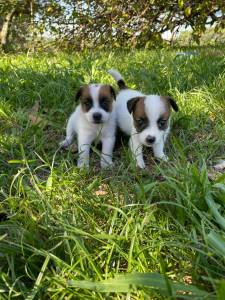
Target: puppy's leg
107, 150
69, 133
136, 149
84, 144
158, 151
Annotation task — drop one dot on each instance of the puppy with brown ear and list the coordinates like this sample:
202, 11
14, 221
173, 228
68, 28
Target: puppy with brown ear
145, 118
93, 118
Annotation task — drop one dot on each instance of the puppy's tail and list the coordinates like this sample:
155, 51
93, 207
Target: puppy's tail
119, 79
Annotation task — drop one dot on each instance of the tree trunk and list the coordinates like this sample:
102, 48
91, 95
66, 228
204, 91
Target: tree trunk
5, 29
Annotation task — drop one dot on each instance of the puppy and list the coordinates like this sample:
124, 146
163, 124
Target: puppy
93, 118
145, 118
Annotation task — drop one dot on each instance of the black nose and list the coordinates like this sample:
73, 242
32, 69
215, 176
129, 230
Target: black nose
150, 139
97, 117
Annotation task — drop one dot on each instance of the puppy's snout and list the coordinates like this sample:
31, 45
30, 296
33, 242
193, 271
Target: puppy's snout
97, 117
150, 139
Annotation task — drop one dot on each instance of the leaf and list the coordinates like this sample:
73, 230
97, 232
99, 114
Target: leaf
102, 190
34, 119
33, 293
218, 185
20, 161
187, 11
126, 282
35, 107
49, 183
148, 187
221, 178
2, 113
187, 279
221, 290
213, 207
33, 114
216, 242
180, 3
3, 236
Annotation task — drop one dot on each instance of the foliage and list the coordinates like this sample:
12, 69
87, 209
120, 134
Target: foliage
20, 11
211, 36
113, 23
121, 233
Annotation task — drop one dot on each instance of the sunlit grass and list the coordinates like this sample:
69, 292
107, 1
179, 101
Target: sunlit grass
69, 234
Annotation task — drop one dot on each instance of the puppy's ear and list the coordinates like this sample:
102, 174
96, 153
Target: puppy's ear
78, 93
131, 104
172, 103
112, 91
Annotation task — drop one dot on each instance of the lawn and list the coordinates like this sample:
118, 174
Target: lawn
122, 233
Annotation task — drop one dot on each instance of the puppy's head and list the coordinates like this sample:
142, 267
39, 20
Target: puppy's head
96, 102
151, 117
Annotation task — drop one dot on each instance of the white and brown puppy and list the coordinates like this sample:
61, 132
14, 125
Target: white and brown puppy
145, 118
94, 118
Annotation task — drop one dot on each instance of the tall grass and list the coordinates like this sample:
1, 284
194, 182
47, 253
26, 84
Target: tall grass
121, 233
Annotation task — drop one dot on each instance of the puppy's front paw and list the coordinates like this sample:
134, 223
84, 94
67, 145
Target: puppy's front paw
164, 157
106, 163
82, 164
141, 164
64, 144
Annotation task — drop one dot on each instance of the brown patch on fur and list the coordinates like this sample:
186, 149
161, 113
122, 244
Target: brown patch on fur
139, 109
106, 97
85, 98
163, 121
140, 114
166, 103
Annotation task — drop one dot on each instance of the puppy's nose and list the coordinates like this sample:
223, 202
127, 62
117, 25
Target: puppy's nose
150, 139
97, 117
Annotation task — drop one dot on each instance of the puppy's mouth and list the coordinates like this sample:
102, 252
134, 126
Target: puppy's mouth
148, 145
98, 122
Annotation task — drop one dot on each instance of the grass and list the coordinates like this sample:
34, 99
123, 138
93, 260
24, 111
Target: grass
121, 233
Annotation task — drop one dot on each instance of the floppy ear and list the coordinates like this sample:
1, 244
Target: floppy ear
78, 93
112, 91
172, 103
131, 104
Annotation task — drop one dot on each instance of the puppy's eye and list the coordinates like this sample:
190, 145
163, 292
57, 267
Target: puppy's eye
140, 122
104, 103
162, 123
104, 100
87, 102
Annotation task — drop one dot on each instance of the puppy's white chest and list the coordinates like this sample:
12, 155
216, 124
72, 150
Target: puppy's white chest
94, 131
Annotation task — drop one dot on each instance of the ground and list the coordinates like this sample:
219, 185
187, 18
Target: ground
67, 233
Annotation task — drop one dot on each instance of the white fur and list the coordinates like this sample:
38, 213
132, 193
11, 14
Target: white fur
115, 74
82, 124
153, 108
